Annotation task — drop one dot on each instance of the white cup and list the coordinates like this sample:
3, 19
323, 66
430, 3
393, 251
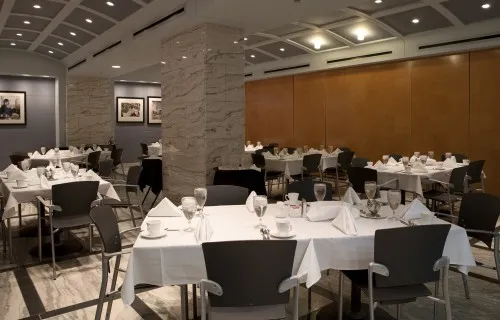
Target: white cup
284, 226
466, 161
10, 174
154, 227
427, 217
292, 197
370, 163
21, 183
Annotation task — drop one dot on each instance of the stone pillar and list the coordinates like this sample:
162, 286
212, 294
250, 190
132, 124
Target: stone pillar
202, 105
90, 116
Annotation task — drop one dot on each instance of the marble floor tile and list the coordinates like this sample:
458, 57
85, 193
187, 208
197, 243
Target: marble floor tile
12, 304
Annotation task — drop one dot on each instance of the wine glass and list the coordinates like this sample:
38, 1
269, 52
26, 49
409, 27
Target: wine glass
66, 167
321, 147
53, 161
423, 159
43, 150
74, 170
319, 191
94, 147
416, 154
405, 161
430, 154
249, 143
330, 149
276, 151
25, 165
370, 189
306, 148
189, 206
299, 151
385, 158
448, 155
56, 150
394, 199
200, 194
260, 207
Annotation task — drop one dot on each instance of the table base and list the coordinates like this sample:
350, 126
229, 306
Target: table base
31, 230
68, 247
330, 312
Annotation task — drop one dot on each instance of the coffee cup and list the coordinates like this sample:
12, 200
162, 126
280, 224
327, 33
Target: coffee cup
154, 227
427, 217
22, 183
284, 226
292, 197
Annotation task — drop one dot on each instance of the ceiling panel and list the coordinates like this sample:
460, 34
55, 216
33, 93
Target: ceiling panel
54, 43
321, 20
284, 30
370, 7
18, 22
64, 31
98, 25
121, 9
257, 57
254, 39
283, 49
13, 34
326, 40
429, 19
19, 44
471, 11
371, 31
45, 51
48, 9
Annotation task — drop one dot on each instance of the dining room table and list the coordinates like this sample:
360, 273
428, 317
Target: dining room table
177, 258
68, 156
292, 164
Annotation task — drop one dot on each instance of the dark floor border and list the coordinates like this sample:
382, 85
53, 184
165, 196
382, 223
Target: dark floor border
28, 290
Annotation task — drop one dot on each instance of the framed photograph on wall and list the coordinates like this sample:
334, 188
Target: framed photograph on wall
154, 110
129, 110
12, 107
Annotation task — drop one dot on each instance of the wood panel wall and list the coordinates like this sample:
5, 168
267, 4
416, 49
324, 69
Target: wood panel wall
447, 103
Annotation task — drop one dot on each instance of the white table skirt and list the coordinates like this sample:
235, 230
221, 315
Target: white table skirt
178, 259
16, 196
66, 155
328, 162
288, 167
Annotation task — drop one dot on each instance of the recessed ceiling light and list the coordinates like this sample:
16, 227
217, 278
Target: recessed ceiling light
27, 22
163, 62
19, 34
486, 6
282, 49
109, 3
178, 42
72, 33
245, 39
415, 21
88, 20
361, 34
46, 76
378, 1
51, 52
37, 6
235, 42
116, 67
60, 43
184, 57
12, 44
252, 56
317, 43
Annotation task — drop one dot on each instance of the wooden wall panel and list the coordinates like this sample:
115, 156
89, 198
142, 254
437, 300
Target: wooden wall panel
269, 111
485, 114
440, 104
368, 109
309, 110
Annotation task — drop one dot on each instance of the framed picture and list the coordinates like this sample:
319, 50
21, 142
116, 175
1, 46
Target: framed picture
129, 109
12, 107
154, 110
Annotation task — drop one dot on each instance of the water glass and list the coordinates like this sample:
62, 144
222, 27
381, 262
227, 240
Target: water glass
260, 207
306, 148
94, 147
448, 155
276, 151
43, 150
25, 165
66, 167
385, 158
56, 150
74, 170
423, 159
189, 207
300, 152
249, 143
430, 154
40, 171
319, 191
416, 154
200, 194
394, 199
370, 189
321, 147
405, 161
330, 149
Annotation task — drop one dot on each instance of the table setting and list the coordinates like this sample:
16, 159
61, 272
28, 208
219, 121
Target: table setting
251, 148
57, 156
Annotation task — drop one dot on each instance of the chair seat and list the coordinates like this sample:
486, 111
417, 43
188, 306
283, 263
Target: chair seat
70, 221
272, 175
439, 196
115, 203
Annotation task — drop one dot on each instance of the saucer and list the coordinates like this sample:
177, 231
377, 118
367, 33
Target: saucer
436, 168
364, 215
276, 234
145, 234
16, 187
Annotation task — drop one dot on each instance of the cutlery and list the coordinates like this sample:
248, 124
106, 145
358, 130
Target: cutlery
263, 233
167, 229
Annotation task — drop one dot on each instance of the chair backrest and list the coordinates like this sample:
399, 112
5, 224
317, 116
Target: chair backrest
311, 163
225, 195
290, 150
74, 198
107, 225
344, 159
409, 265
258, 160
144, 148
17, 158
359, 162
479, 211
344, 149
64, 148
35, 163
273, 144
106, 168
458, 156
358, 177
475, 171
133, 175
457, 178
116, 155
151, 174
259, 151
93, 159
252, 180
396, 156
242, 269
305, 189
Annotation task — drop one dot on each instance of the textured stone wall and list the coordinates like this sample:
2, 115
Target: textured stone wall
90, 116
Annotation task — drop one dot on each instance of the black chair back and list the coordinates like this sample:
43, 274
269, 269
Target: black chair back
252, 180
305, 189
17, 158
133, 175
93, 160
74, 198
479, 211
225, 195
457, 178
358, 177
151, 175
344, 159
475, 171
311, 163
107, 225
458, 156
344, 149
260, 151
35, 163
359, 162
409, 266
144, 148
396, 156
64, 148
273, 145
242, 269
106, 168
116, 156
258, 160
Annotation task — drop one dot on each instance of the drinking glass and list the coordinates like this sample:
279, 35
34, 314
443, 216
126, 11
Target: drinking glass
200, 194
448, 155
394, 199
430, 154
25, 165
94, 147
321, 147
385, 158
370, 189
249, 143
66, 167
43, 150
53, 161
319, 191
276, 151
330, 149
260, 206
189, 209
423, 159
82, 147
306, 148
405, 161
299, 151
56, 150
74, 170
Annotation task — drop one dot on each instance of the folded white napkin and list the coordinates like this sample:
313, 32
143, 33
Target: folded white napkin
89, 150
98, 148
320, 211
155, 144
165, 209
379, 166
430, 162
351, 197
392, 161
345, 222
337, 151
249, 202
92, 174
324, 152
254, 167
312, 151
10, 168
17, 175
36, 154
414, 210
267, 154
204, 230
413, 159
419, 167
449, 163
44, 183
50, 153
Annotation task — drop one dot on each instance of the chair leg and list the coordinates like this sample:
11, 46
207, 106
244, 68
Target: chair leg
466, 286
309, 298
19, 215
40, 238
398, 312
436, 294
104, 284
446, 294
91, 234
123, 170
52, 246
341, 295
496, 254
337, 184
146, 195
9, 235
139, 204
4, 237
113, 286
195, 303
130, 209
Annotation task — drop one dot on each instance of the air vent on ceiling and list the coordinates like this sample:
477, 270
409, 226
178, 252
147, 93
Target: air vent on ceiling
106, 49
450, 43
77, 64
371, 55
300, 66
248, 74
160, 21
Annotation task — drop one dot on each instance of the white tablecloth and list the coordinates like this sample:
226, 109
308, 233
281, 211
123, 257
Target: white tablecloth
178, 259
328, 162
289, 167
155, 150
66, 155
16, 196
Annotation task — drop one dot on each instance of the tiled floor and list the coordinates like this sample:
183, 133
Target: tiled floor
27, 288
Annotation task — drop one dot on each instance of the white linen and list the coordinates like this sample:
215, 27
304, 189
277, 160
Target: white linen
35, 154
430, 162
249, 202
449, 163
50, 153
17, 175
204, 230
345, 222
91, 174
413, 159
419, 167
268, 155
10, 168
392, 161
88, 151
379, 165
351, 197
288, 166
98, 148
324, 210
329, 161
165, 209
44, 183
414, 210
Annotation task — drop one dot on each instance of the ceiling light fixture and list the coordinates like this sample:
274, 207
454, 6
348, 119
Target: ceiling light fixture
486, 6
88, 20
27, 22
378, 1
361, 34
163, 62
51, 52
19, 34
235, 42
116, 67
415, 21
282, 49
184, 57
109, 3
252, 56
245, 39
72, 33
60, 43
12, 44
37, 6
317, 42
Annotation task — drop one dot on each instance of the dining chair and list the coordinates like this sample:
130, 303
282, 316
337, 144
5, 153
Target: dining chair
226, 195
240, 282
70, 208
130, 186
344, 149
116, 156
310, 167
305, 189
63, 148
451, 190
359, 162
144, 149
395, 156
339, 173
151, 175
250, 179
93, 160
475, 175
105, 169
398, 275
358, 176
16, 159
459, 157
35, 163
107, 226
273, 145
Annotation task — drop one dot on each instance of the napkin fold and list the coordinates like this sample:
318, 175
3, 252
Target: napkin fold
17, 175
36, 154
155, 144
204, 230
44, 183
254, 167
345, 222
430, 162
392, 161
98, 148
449, 163
50, 153
337, 151
165, 209
419, 167
91, 174
414, 210
351, 197
88, 151
379, 166
249, 202
10, 168
312, 151
323, 212
413, 159
267, 154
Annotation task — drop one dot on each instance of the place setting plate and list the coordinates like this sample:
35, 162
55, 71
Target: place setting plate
145, 234
276, 234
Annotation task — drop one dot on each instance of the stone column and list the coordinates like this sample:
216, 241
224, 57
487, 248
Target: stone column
202, 105
90, 116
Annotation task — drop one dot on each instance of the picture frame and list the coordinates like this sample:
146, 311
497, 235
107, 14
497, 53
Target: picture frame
154, 110
13, 107
129, 110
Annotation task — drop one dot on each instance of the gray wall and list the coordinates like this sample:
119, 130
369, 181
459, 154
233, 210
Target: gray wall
130, 135
40, 116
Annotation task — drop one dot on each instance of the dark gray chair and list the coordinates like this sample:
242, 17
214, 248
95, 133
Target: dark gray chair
310, 167
35, 163
359, 162
225, 195
106, 169
344, 161
144, 149
70, 208
239, 276
305, 189
269, 176
344, 149
93, 160
107, 226
131, 185
116, 156
475, 175
398, 275
16, 159
358, 177
451, 190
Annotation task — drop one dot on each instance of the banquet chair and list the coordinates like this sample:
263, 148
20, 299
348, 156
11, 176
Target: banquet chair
305, 189
250, 179
396, 156
151, 175
358, 176
273, 145
93, 160
116, 156
451, 190
359, 162
105, 168
344, 160
16, 159
35, 163
226, 195
129, 186
107, 226
70, 208
458, 156
310, 167
269, 176
64, 148
239, 281
345, 149
400, 278
475, 175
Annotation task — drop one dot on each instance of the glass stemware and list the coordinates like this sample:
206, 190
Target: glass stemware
448, 155
260, 207
321, 147
423, 159
94, 147
25, 165
276, 151
394, 199
416, 154
74, 170
189, 207
200, 194
66, 167
319, 191
43, 150
385, 158
405, 161
40, 171
370, 189
430, 154
306, 148
330, 149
